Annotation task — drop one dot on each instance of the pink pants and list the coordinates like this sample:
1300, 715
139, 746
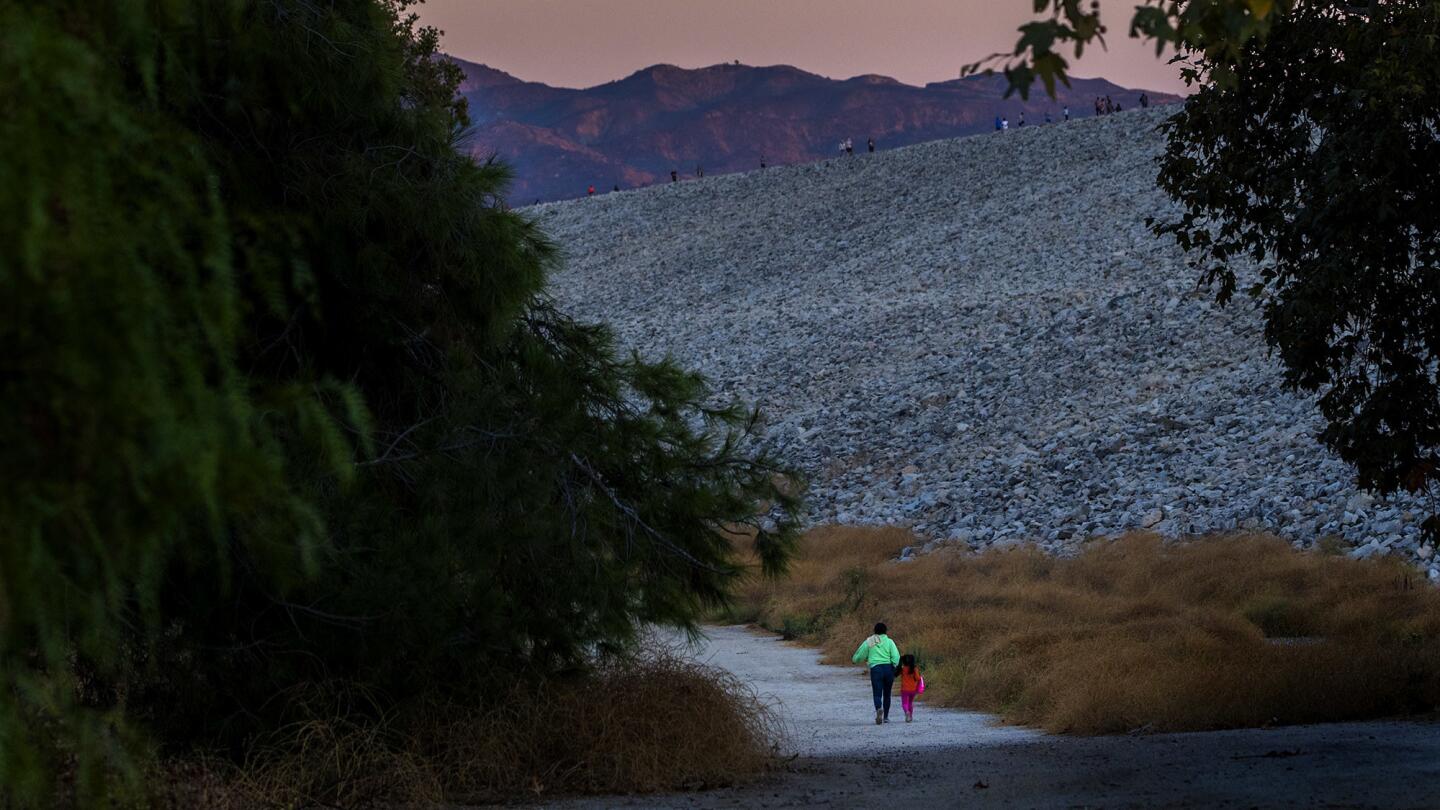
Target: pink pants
907, 702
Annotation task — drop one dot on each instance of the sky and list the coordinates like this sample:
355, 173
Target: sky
580, 43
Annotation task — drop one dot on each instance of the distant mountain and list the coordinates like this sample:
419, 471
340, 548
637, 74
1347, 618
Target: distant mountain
726, 118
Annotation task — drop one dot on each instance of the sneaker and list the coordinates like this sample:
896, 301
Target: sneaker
909, 718
878, 717
887, 718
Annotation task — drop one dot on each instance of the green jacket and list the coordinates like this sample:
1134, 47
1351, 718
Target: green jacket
877, 650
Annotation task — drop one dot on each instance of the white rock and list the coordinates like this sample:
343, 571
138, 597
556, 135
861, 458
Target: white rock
1359, 501
1366, 551
942, 308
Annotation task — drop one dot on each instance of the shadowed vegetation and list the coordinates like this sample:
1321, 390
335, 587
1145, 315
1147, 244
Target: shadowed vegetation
666, 724
290, 411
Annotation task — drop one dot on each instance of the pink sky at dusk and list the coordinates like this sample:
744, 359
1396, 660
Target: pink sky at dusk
579, 43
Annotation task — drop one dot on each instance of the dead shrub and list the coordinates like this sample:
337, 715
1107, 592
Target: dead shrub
667, 724
196, 780
341, 746
664, 723
1217, 632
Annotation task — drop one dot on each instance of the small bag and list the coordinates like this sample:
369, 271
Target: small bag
920, 688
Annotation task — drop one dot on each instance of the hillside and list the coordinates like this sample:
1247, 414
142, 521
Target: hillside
725, 118
977, 337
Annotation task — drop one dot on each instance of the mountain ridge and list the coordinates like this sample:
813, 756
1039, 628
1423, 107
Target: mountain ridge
635, 130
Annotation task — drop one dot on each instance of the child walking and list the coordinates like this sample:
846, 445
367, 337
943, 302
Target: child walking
912, 683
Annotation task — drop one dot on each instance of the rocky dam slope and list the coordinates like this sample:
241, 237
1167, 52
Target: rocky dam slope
978, 338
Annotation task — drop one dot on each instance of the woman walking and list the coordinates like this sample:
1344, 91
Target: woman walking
882, 657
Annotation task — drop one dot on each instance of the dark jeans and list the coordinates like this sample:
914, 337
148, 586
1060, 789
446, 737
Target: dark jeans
882, 678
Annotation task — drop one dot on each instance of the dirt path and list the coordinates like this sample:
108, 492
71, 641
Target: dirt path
828, 710
949, 758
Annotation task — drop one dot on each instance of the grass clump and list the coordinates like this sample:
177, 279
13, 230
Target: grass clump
666, 724
1218, 632
669, 724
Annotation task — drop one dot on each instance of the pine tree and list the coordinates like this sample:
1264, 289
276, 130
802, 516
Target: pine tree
289, 401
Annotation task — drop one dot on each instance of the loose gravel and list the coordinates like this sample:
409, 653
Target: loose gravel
978, 338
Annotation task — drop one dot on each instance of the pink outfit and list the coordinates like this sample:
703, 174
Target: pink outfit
907, 701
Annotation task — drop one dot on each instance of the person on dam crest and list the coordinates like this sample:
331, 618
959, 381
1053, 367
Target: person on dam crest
882, 657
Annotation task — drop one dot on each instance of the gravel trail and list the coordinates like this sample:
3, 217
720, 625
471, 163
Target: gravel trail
952, 758
978, 338
827, 709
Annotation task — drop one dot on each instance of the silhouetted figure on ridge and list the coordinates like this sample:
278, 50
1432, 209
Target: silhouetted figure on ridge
871, 143
674, 176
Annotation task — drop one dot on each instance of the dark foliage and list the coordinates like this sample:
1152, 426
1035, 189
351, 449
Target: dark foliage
1208, 36
1320, 163
288, 403
1312, 150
